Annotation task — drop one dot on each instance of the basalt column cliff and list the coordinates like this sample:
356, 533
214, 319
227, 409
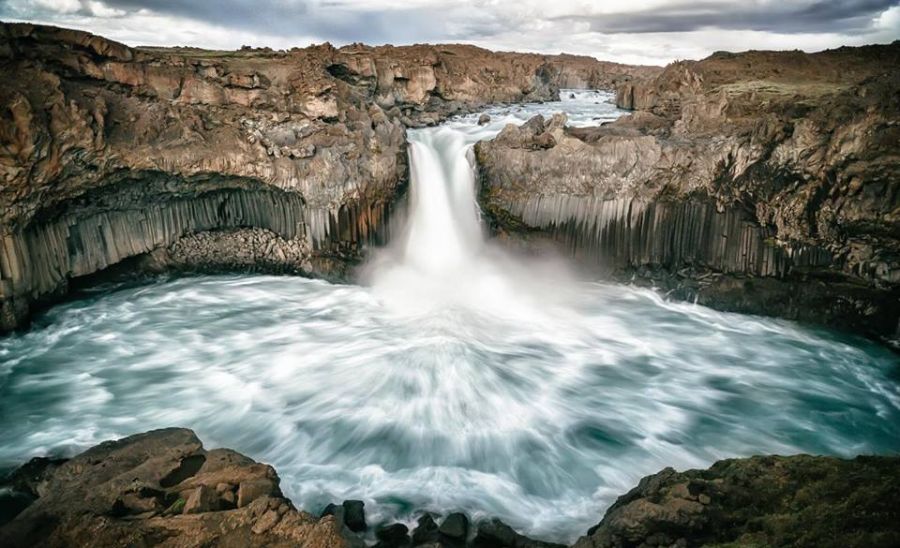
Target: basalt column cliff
252, 160
760, 182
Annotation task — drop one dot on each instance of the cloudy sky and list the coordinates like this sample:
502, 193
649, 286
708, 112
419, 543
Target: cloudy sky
630, 31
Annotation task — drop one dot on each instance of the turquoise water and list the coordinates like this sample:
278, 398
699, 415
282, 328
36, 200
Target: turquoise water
540, 418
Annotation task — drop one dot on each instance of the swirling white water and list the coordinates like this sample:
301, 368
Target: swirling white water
457, 378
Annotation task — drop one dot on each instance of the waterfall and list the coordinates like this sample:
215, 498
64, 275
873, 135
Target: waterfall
441, 261
444, 232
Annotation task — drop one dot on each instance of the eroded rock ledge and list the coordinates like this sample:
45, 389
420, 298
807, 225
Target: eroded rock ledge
109, 152
763, 182
162, 488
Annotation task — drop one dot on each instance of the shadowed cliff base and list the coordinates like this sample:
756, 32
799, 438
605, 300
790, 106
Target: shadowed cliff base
162, 488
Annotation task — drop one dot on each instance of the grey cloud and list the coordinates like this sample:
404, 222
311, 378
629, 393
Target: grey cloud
293, 17
280, 17
841, 16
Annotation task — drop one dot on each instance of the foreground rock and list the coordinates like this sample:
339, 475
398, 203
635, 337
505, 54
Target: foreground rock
761, 182
162, 488
760, 501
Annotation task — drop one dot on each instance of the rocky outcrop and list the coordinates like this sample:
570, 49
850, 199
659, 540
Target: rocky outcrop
109, 152
758, 182
162, 488
760, 501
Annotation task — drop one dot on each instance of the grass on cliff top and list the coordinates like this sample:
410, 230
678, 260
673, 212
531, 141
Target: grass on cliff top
783, 89
201, 53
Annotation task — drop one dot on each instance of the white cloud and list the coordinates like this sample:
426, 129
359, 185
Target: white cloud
99, 9
665, 29
59, 6
889, 20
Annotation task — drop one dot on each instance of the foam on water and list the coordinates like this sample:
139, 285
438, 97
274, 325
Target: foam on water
460, 378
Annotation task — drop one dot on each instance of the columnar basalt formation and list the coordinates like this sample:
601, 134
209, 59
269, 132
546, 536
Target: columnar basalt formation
759, 182
110, 152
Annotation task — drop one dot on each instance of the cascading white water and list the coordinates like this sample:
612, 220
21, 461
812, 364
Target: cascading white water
442, 262
443, 232
461, 378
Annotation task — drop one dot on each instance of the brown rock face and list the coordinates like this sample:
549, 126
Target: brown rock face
759, 182
760, 501
109, 152
162, 488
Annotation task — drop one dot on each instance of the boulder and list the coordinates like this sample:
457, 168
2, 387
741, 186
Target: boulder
426, 530
455, 527
355, 515
392, 536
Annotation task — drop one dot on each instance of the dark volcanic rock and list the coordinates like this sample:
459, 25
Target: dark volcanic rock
426, 530
393, 536
355, 515
22, 486
496, 534
12, 503
760, 501
333, 510
455, 527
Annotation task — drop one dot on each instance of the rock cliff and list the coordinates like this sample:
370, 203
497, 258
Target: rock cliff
162, 488
294, 159
763, 182
760, 501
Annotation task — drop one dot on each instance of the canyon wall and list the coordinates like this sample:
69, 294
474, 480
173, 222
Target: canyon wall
285, 161
759, 182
